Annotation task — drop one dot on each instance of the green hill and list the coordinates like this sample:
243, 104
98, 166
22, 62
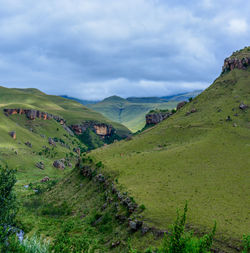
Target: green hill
202, 157
130, 114
72, 111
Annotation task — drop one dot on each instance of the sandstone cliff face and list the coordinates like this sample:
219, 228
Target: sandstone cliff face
100, 129
155, 118
235, 63
33, 114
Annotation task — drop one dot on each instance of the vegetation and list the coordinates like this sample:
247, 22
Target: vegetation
8, 206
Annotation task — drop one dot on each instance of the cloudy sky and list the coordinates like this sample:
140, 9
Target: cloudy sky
92, 49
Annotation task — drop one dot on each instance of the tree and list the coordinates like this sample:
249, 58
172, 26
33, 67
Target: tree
8, 205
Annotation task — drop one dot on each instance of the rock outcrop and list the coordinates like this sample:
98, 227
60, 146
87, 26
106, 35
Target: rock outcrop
33, 114
180, 105
59, 164
235, 63
13, 134
100, 129
40, 165
156, 117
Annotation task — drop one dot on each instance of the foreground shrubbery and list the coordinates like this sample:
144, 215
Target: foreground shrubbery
178, 241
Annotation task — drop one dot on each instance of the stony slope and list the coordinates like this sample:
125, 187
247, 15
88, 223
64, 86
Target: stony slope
202, 157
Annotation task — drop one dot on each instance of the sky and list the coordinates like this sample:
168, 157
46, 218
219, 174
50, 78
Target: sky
92, 49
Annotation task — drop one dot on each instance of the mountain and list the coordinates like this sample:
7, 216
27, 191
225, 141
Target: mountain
81, 101
131, 111
199, 155
178, 97
130, 114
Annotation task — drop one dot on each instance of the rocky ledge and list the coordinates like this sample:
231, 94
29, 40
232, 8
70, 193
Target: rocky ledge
33, 114
100, 129
156, 117
235, 63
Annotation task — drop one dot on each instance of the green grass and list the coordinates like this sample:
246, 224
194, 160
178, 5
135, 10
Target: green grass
201, 158
130, 114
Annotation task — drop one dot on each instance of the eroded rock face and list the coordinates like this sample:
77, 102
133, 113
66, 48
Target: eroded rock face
100, 129
235, 63
103, 129
155, 118
33, 114
180, 105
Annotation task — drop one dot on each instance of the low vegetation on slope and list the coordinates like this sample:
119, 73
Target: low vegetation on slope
200, 154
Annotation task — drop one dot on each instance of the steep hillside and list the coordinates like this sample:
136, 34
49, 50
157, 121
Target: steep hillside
200, 154
130, 114
73, 113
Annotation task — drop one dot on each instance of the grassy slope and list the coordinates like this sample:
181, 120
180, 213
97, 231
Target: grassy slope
70, 110
132, 115
200, 158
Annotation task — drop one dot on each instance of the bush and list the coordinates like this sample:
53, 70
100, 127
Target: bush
8, 206
246, 244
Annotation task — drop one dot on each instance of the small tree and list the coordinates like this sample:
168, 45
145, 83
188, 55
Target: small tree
8, 206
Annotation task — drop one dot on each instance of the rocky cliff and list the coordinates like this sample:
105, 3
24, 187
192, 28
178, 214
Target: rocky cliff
33, 114
156, 117
239, 60
100, 129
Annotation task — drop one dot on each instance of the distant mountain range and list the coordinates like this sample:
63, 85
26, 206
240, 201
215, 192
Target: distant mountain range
131, 111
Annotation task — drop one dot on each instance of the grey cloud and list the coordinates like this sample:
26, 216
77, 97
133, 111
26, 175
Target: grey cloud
95, 48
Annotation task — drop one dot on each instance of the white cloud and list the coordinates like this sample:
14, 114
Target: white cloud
96, 48
237, 26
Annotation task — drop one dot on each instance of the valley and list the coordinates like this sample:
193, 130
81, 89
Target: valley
85, 183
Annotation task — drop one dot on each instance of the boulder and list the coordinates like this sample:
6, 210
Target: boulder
100, 178
59, 164
45, 179
132, 225
144, 230
13, 135
115, 244
242, 106
27, 143
40, 165
52, 142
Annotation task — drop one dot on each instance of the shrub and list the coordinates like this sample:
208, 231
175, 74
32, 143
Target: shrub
246, 243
